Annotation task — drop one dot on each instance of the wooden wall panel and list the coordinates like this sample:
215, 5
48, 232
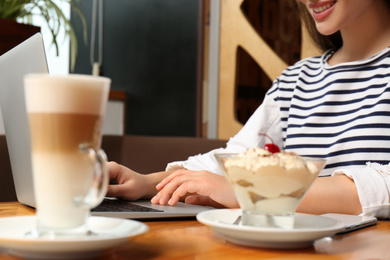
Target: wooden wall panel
263, 32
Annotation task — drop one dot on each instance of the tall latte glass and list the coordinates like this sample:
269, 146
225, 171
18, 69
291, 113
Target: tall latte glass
69, 168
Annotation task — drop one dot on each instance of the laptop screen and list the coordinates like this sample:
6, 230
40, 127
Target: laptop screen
27, 57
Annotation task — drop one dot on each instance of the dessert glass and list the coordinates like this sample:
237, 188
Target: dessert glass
269, 186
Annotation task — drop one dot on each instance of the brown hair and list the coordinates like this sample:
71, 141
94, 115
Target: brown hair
324, 42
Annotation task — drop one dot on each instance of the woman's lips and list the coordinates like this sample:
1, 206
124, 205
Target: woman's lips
322, 10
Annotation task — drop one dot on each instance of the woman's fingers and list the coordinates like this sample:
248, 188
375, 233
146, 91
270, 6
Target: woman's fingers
171, 177
180, 184
169, 185
116, 190
126, 183
197, 187
114, 170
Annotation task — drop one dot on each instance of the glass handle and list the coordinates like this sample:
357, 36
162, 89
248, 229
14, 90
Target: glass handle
100, 178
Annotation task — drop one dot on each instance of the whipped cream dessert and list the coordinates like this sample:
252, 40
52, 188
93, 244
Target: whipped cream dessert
270, 182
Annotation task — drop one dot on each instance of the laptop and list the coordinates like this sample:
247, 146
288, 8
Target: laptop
30, 57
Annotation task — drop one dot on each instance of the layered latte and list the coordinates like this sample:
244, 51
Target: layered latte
64, 116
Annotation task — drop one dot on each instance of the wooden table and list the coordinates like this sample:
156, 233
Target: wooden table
189, 239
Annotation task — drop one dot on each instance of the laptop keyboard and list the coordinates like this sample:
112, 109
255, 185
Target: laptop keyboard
109, 205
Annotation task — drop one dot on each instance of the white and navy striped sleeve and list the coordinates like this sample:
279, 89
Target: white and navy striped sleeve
340, 113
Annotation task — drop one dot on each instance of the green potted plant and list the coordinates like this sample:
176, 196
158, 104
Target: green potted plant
22, 11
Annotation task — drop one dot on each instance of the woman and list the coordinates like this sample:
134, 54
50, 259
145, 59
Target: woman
336, 107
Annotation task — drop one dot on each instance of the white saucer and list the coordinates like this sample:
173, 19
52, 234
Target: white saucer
109, 232
308, 228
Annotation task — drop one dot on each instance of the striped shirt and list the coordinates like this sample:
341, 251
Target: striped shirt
340, 113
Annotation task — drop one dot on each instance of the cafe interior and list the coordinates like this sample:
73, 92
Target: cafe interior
186, 76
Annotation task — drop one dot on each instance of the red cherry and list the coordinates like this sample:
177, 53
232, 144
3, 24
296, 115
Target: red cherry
272, 148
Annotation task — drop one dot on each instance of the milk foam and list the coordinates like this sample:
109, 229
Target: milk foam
51, 94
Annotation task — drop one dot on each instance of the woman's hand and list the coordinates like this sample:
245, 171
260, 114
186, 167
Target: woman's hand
195, 187
131, 185
128, 185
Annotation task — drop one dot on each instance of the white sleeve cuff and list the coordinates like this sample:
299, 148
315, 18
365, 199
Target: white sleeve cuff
372, 183
199, 162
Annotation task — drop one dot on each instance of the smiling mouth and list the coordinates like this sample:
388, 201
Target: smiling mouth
322, 8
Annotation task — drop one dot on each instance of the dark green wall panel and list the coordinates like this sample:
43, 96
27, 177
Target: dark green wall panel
150, 52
